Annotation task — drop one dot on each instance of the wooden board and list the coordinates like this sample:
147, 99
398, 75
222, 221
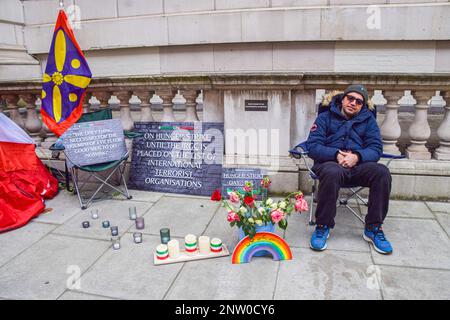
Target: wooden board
183, 257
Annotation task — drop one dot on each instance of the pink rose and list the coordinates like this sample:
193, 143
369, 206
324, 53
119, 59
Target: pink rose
277, 216
301, 205
234, 198
232, 216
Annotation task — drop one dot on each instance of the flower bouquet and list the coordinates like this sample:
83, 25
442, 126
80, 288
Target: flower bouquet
248, 213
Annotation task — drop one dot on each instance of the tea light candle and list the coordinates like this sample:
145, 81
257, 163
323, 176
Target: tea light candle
216, 245
105, 224
174, 248
114, 230
94, 213
137, 236
190, 243
115, 243
85, 224
165, 235
132, 213
203, 244
162, 252
140, 223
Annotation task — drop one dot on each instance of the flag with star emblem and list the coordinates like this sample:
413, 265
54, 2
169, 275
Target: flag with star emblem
66, 77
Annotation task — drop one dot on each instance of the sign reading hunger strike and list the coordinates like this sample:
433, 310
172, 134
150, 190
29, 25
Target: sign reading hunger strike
177, 157
235, 178
94, 142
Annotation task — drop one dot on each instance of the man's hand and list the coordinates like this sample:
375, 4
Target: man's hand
347, 159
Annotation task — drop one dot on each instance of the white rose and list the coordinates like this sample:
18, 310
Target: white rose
269, 201
282, 205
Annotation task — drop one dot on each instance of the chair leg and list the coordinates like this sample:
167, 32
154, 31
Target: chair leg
75, 182
314, 188
122, 171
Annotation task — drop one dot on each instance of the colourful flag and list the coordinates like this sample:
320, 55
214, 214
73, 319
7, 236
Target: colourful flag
66, 77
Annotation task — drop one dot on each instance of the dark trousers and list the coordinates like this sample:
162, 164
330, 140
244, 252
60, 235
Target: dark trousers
332, 176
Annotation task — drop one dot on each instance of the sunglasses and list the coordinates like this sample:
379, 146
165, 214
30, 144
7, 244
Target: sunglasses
352, 98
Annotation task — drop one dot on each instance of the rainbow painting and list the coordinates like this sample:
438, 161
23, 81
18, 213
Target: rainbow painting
262, 241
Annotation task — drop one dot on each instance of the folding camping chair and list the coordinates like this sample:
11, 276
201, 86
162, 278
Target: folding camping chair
94, 170
300, 151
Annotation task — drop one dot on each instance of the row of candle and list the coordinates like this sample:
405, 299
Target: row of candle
203, 246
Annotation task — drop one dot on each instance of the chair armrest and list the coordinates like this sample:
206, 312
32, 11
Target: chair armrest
132, 134
299, 150
393, 156
57, 147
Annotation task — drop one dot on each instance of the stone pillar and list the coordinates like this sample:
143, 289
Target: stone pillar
146, 110
103, 97
167, 96
390, 128
420, 131
11, 103
86, 105
191, 105
303, 115
443, 132
213, 106
125, 113
32, 124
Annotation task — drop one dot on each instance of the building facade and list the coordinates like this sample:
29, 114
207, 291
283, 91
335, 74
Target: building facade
191, 60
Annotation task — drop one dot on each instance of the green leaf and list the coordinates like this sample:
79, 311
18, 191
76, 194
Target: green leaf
232, 224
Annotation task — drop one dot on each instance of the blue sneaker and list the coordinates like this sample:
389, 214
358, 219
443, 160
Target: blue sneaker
319, 238
377, 238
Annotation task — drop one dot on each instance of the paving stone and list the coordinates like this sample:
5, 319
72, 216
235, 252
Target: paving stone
43, 270
326, 275
414, 284
116, 212
220, 279
439, 206
181, 215
64, 206
409, 209
416, 243
129, 273
444, 220
15, 241
346, 235
73, 295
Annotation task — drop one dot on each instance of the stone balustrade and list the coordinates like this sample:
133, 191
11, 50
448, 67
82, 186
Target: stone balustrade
158, 98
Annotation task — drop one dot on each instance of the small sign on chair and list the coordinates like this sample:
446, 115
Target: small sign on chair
94, 142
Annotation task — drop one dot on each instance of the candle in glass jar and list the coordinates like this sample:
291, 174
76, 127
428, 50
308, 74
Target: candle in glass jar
174, 248
132, 213
115, 243
140, 223
165, 235
105, 224
203, 244
85, 224
94, 213
114, 230
137, 236
190, 243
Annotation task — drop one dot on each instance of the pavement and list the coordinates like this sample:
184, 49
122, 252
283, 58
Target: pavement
53, 257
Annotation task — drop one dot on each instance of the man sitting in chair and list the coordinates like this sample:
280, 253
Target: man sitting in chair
345, 144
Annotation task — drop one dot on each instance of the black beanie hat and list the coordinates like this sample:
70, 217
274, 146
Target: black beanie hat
358, 88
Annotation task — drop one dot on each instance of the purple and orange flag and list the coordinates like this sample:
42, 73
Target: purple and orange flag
66, 77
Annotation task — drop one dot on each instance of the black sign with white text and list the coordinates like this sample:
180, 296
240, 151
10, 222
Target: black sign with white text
178, 157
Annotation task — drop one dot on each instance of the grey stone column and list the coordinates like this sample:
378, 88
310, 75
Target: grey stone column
146, 111
32, 123
390, 128
420, 130
167, 96
13, 108
443, 132
213, 106
191, 105
125, 113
